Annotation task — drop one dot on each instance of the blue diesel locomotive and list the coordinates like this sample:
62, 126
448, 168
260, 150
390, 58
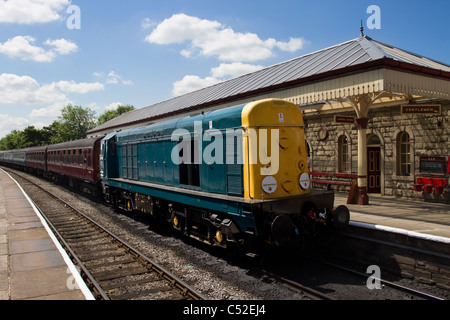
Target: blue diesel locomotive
235, 177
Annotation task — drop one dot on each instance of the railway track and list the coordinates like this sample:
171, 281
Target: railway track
112, 269
114, 274
413, 293
320, 277
316, 293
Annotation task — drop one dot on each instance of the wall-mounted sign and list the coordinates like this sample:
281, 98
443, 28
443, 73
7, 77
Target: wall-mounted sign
344, 119
435, 109
432, 165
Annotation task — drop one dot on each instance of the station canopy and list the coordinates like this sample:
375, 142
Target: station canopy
327, 80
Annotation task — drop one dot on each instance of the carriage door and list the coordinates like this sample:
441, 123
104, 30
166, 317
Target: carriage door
373, 164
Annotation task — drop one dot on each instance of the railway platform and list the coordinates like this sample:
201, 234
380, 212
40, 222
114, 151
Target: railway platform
33, 266
398, 215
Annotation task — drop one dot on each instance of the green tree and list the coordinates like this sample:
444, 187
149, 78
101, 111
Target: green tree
12, 141
54, 131
73, 124
75, 121
32, 137
111, 114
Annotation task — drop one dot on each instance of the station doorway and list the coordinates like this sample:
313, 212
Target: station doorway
373, 164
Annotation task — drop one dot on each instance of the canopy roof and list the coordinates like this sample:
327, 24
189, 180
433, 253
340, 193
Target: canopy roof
348, 69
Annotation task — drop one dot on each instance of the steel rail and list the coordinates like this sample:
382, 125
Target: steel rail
184, 288
93, 285
308, 291
388, 283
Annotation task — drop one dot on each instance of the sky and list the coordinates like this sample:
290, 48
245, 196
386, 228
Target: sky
100, 54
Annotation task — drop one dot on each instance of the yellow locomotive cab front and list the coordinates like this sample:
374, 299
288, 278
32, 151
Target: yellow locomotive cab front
274, 149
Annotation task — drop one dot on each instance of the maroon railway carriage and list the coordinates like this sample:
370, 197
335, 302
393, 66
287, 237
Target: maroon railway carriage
36, 159
76, 161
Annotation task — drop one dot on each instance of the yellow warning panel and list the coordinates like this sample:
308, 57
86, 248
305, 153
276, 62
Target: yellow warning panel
275, 155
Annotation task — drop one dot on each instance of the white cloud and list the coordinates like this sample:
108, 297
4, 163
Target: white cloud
113, 106
9, 123
147, 23
82, 87
234, 69
26, 90
191, 83
51, 112
31, 11
46, 99
114, 78
62, 46
23, 47
223, 72
211, 38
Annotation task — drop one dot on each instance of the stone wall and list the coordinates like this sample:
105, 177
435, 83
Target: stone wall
429, 135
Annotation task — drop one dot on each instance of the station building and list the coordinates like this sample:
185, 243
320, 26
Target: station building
374, 114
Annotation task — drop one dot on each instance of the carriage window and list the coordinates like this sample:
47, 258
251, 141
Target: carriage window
89, 161
80, 157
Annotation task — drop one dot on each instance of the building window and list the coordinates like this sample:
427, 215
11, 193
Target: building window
404, 154
344, 155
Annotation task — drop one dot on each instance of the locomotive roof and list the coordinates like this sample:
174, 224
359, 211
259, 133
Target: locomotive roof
352, 56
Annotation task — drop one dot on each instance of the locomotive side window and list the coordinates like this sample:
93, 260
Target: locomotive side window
190, 172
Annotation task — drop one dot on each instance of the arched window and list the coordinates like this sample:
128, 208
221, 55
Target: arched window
344, 155
404, 154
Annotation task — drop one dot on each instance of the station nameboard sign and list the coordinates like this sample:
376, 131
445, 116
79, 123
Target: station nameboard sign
435, 109
344, 119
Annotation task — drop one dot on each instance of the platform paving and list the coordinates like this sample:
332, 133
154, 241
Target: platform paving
31, 266
411, 215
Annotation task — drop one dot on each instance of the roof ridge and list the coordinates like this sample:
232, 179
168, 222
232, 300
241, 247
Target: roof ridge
377, 43
370, 47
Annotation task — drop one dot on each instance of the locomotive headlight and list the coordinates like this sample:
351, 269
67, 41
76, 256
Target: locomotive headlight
305, 181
